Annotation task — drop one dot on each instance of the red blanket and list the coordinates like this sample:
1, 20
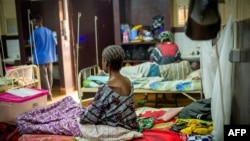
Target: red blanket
162, 132
8, 132
160, 135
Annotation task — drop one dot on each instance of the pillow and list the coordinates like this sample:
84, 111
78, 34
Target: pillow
90, 84
98, 78
172, 113
195, 75
107, 133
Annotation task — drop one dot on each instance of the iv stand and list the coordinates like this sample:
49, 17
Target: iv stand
29, 22
96, 42
77, 47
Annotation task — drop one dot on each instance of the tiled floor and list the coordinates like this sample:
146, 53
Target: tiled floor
57, 96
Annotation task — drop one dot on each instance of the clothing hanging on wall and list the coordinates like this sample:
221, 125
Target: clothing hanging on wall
203, 20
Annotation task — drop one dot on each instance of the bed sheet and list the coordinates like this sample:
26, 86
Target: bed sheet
58, 118
150, 83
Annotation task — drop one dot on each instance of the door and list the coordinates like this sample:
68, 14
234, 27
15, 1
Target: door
52, 12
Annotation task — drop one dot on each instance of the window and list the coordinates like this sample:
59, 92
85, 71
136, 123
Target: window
182, 14
11, 24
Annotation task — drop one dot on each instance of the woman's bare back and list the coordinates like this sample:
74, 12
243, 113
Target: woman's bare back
120, 84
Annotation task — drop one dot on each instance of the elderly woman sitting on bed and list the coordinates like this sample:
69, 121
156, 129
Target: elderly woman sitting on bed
113, 105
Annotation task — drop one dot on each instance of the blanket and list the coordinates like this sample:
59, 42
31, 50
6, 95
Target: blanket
160, 135
138, 71
175, 71
59, 118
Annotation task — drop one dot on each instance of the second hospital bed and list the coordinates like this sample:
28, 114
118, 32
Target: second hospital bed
19, 77
154, 86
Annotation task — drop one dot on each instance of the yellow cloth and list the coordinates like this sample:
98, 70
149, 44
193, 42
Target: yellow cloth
196, 126
163, 126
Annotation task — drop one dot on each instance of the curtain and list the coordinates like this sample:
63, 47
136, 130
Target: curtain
216, 77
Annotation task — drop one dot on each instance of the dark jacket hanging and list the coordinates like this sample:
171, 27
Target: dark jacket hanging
203, 20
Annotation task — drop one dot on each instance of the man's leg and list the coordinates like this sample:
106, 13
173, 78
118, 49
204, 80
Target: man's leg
44, 80
50, 74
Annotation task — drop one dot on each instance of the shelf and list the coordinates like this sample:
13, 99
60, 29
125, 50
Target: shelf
126, 12
135, 61
139, 43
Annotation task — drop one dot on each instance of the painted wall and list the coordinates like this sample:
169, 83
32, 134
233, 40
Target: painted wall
242, 12
8, 17
186, 45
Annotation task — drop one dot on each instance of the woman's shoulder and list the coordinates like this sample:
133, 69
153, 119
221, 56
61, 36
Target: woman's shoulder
121, 85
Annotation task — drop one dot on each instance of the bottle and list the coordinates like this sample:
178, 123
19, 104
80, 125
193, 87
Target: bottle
125, 37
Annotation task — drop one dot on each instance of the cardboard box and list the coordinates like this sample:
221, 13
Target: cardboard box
12, 105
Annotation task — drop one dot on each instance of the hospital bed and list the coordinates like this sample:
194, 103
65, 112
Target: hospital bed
148, 86
19, 77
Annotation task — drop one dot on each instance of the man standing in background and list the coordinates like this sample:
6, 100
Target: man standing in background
44, 53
